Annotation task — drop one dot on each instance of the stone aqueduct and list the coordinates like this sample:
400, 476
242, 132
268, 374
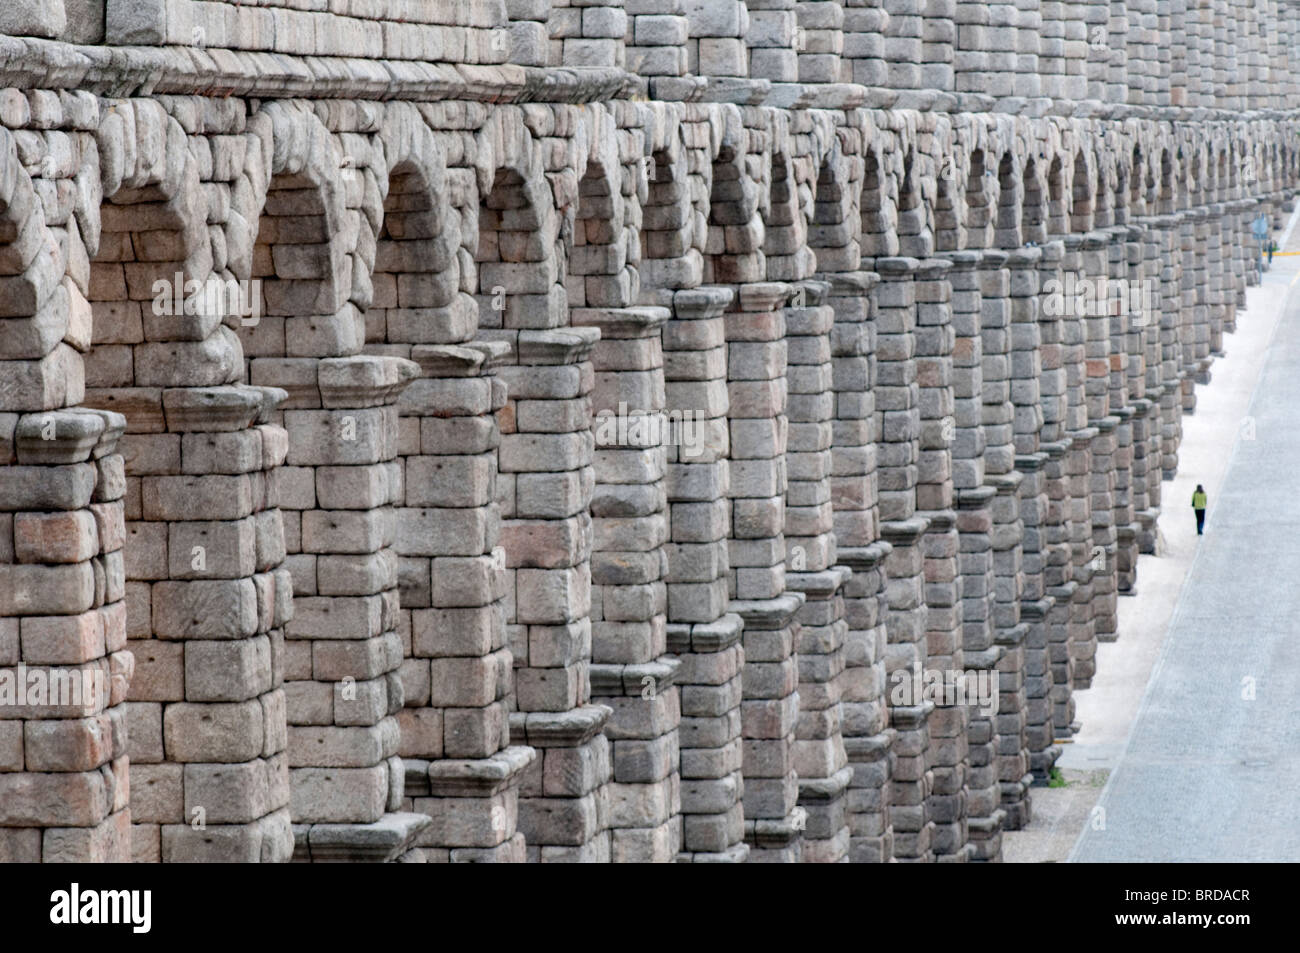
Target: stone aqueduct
362, 577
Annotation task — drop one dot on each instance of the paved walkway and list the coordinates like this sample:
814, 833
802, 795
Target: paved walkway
1207, 766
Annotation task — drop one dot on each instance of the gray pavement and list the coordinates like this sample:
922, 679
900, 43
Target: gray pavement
1211, 767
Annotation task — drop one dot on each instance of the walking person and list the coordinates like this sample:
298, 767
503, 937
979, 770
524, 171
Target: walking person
1198, 506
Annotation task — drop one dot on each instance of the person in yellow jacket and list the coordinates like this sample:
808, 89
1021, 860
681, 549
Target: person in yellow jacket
1198, 505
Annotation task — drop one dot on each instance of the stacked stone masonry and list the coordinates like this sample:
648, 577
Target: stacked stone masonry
595, 430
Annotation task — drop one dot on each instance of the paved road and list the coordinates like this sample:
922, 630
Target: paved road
1210, 772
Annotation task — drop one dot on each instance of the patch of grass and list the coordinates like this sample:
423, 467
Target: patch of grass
1055, 779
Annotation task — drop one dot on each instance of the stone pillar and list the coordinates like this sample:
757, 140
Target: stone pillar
868, 737
658, 34
587, 34
1074, 87
343, 648
1205, 46
1104, 446
1058, 575
1051, 48
1096, 19
899, 416
1031, 463
1117, 53
1125, 362
985, 39
1182, 54
1193, 311
1133, 503
631, 672
716, 48
774, 41
1218, 283
938, 35
701, 632
1081, 636
1141, 52
935, 500
821, 764
1029, 98
1240, 261
903, 51
1158, 53
209, 600
819, 41
1171, 373
1148, 421
530, 43
974, 523
461, 769
756, 400
1226, 227
545, 487
864, 62
64, 664
1006, 535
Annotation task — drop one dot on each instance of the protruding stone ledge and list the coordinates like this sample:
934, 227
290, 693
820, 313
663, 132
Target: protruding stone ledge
768, 614
1053, 251
910, 717
904, 532
564, 729
1036, 610
363, 381
671, 89
612, 680
849, 283
965, 259
941, 521
495, 353
618, 324
819, 585
1013, 636
212, 409
826, 789
1055, 449
1083, 436
864, 558
1030, 462
818, 96
1095, 239
862, 749
761, 296
548, 348
59, 437
896, 267
698, 304
1025, 257
450, 360
993, 258
123, 71
382, 842
741, 90
989, 825
975, 497
482, 777
772, 834
705, 637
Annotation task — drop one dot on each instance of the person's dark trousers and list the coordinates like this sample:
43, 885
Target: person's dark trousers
1200, 522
